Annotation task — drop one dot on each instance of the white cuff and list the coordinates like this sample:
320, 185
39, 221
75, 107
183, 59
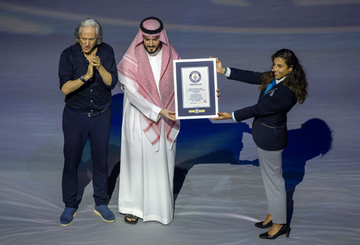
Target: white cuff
233, 117
227, 72
155, 114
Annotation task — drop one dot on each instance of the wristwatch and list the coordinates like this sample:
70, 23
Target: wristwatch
83, 79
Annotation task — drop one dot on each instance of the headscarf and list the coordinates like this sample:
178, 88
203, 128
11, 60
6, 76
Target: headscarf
135, 67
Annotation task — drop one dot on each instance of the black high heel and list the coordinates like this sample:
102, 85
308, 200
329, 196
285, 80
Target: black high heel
285, 229
262, 226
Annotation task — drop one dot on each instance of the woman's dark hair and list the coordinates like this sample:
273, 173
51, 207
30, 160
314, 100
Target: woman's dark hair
296, 80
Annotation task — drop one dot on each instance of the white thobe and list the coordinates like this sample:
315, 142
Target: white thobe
146, 175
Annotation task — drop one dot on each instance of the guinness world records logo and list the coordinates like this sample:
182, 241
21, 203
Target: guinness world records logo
195, 76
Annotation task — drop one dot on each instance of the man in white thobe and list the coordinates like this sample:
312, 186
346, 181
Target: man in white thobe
149, 127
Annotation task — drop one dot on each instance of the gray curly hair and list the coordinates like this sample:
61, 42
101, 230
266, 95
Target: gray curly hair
93, 23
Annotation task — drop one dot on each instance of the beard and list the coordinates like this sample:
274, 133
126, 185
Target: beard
152, 52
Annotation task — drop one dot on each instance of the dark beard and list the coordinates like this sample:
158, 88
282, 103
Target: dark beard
153, 52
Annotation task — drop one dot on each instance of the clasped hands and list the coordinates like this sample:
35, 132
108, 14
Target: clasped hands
94, 62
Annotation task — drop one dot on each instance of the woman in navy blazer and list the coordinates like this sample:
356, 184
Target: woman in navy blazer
281, 88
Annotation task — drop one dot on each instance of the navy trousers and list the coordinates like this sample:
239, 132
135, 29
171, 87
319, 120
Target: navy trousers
77, 128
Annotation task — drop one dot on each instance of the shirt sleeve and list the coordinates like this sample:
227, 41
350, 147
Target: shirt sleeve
227, 72
233, 117
65, 67
147, 108
110, 66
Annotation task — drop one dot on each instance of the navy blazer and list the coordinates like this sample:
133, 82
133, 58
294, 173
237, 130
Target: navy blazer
269, 128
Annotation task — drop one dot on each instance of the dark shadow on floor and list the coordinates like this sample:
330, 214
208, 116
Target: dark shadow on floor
313, 139
201, 141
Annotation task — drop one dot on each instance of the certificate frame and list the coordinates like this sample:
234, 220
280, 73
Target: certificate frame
195, 84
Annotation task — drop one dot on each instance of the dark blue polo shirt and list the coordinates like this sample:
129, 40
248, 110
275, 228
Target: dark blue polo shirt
94, 94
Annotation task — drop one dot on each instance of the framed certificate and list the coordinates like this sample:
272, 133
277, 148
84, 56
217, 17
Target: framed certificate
195, 84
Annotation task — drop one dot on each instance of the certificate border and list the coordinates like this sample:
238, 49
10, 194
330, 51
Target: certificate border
184, 88
186, 113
